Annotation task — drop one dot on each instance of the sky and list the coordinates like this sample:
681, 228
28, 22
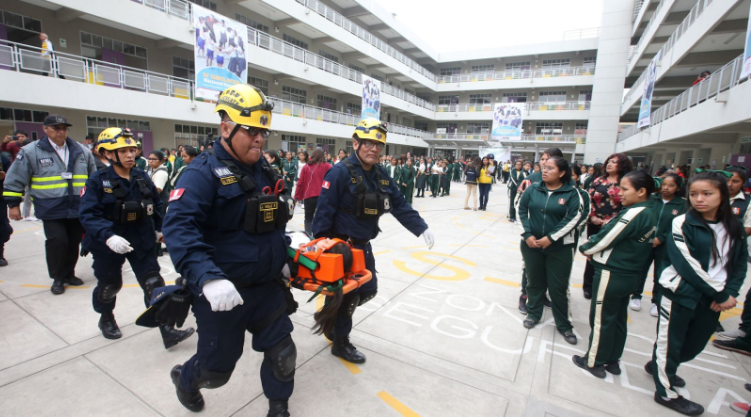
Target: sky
481, 24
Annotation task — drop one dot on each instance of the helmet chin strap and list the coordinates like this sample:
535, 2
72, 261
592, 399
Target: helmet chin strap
231, 135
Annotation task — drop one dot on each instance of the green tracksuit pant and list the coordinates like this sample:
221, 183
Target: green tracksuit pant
447, 186
608, 315
549, 271
433, 181
511, 208
407, 192
659, 256
682, 333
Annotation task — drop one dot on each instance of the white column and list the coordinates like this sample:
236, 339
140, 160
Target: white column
610, 75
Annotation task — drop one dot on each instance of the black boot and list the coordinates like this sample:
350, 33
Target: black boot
108, 326
278, 408
345, 350
192, 400
172, 336
523, 304
3, 261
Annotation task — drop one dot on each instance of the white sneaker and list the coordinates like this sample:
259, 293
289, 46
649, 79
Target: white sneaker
731, 334
653, 311
30, 219
635, 304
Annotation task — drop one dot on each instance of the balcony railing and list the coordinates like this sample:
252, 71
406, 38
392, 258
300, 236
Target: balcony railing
576, 139
516, 74
646, 29
530, 106
339, 20
570, 35
177, 8
723, 79
637, 9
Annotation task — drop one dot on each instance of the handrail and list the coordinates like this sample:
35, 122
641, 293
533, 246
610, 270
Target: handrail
528, 106
646, 29
577, 139
723, 79
581, 34
346, 24
637, 8
516, 74
178, 8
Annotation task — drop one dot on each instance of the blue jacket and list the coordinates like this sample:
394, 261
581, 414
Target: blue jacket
338, 190
98, 203
204, 221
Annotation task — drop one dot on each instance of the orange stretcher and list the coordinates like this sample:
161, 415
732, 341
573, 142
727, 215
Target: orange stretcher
323, 273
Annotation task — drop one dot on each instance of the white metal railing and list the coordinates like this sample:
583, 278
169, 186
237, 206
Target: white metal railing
723, 79
529, 106
581, 34
339, 20
637, 9
646, 29
516, 74
29, 59
577, 139
177, 8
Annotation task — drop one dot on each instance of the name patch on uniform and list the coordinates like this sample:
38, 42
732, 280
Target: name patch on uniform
222, 172
228, 180
384, 182
176, 194
561, 201
326, 185
45, 162
736, 211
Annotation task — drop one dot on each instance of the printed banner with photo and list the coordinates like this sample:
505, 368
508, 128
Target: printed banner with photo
645, 111
507, 121
500, 153
219, 52
746, 68
371, 98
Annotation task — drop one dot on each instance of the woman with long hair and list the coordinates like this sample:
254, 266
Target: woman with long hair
516, 176
484, 182
707, 255
422, 175
604, 194
187, 155
471, 174
309, 186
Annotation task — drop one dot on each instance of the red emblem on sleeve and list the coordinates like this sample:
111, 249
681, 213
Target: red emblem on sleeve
561, 201
736, 211
83, 191
176, 194
326, 185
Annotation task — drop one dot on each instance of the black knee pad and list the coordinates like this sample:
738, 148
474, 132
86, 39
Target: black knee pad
209, 379
108, 292
282, 359
365, 297
152, 282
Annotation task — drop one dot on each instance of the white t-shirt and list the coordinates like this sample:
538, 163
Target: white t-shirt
421, 168
62, 152
159, 177
746, 217
436, 169
717, 269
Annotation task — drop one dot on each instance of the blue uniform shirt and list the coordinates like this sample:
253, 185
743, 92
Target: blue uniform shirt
98, 205
203, 227
338, 190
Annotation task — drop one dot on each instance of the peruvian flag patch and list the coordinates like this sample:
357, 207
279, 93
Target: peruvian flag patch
326, 185
561, 201
176, 194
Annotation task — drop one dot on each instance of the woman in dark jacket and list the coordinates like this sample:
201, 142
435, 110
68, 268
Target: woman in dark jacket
309, 186
470, 178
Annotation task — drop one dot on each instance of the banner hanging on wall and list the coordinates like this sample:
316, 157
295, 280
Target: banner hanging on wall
500, 153
746, 68
371, 98
219, 53
645, 110
507, 121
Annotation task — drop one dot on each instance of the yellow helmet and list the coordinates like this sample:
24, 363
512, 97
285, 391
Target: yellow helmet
245, 105
114, 138
371, 129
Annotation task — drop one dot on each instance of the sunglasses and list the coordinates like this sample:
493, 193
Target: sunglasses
253, 131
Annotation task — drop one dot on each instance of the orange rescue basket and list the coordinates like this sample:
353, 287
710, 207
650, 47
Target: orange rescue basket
323, 273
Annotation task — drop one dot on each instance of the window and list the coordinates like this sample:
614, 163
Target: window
353, 108
91, 47
556, 63
20, 22
483, 68
297, 143
376, 77
326, 102
514, 97
475, 99
518, 66
295, 95
295, 41
262, 84
589, 61
548, 128
585, 95
348, 147
327, 55
193, 135
250, 22
356, 68
552, 96
183, 68
448, 100
96, 124
205, 3
581, 128
451, 71
326, 144
450, 127
423, 96
421, 126
478, 127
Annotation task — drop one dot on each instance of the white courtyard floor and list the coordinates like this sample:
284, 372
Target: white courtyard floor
443, 338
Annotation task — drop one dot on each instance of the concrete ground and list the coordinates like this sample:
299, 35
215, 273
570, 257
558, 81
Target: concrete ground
443, 338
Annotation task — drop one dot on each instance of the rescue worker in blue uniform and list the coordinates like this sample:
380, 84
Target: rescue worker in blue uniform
120, 212
225, 230
5, 229
355, 194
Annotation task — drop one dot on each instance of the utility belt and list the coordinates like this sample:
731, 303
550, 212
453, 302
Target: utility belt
358, 242
368, 204
132, 211
266, 210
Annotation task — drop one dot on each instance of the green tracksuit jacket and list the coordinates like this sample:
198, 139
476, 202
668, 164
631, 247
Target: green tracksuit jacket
665, 214
553, 215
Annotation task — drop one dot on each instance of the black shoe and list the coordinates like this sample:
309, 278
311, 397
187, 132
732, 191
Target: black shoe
57, 287
172, 336
193, 401
598, 371
523, 304
731, 345
529, 323
587, 295
278, 408
681, 405
547, 303
3, 262
160, 252
569, 337
613, 367
747, 387
677, 381
345, 350
108, 326
74, 281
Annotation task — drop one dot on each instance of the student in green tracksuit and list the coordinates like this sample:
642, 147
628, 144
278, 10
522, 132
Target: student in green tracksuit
618, 253
515, 180
707, 254
666, 205
549, 212
407, 178
576, 174
435, 177
393, 170
457, 171
448, 175
289, 171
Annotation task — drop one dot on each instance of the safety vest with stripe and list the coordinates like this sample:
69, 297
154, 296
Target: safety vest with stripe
55, 188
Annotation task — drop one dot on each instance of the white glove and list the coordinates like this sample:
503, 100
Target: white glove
222, 295
159, 237
429, 238
119, 245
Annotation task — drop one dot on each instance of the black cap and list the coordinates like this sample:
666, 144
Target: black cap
56, 119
